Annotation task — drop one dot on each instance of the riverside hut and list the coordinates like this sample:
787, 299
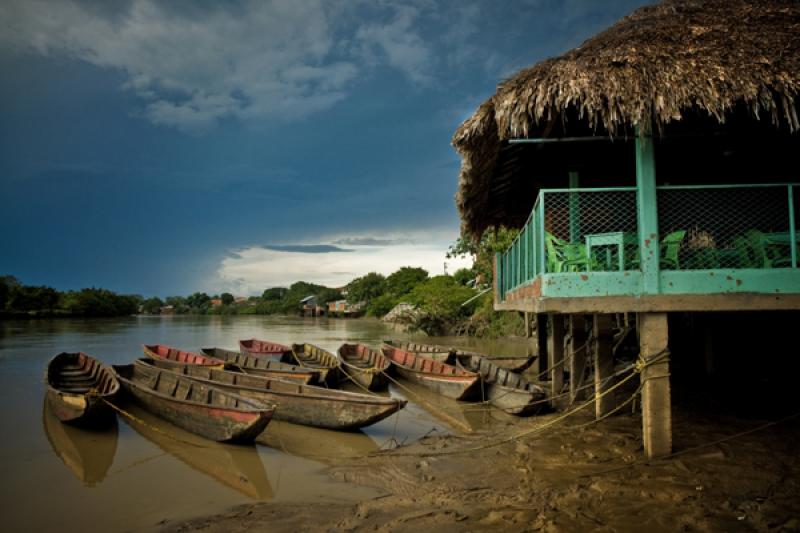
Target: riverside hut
649, 170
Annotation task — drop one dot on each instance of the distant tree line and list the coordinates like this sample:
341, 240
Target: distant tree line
17, 299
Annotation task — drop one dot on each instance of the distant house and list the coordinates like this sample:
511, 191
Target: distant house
338, 306
310, 307
309, 301
343, 308
167, 310
239, 300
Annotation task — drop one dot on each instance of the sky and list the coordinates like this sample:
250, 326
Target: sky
163, 148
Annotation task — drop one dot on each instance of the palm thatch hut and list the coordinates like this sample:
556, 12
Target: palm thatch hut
647, 171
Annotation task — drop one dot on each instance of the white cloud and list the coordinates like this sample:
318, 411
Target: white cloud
251, 270
253, 60
400, 44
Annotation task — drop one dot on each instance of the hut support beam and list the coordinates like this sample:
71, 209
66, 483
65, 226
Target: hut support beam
656, 397
555, 354
647, 213
603, 364
541, 343
577, 350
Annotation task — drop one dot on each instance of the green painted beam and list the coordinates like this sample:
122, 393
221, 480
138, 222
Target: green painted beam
750, 280
647, 213
598, 284
792, 227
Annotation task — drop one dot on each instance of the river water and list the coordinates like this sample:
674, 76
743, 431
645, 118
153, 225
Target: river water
139, 475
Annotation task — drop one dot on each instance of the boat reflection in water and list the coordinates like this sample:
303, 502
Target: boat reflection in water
461, 417
323, 445
236, 466
87, 452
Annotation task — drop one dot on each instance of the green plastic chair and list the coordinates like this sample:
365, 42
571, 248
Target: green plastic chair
747, 257
765, 253
669, 250
563, 256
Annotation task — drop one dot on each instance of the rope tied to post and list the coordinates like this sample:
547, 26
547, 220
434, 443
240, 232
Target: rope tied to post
643, 362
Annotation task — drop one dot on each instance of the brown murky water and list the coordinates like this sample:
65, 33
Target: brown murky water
134, 477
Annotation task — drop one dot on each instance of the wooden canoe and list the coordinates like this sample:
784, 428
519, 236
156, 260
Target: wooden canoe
197, 407
502, 388
315, 358
168, 356
364, 365
263, 348
443, 354
445, 379
263, 366
513, 363
448, 354
300, 404
78, 387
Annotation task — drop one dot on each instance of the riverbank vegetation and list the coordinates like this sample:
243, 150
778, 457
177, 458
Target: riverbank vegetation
446, 304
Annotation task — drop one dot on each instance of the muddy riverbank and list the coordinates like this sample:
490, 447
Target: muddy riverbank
576, 476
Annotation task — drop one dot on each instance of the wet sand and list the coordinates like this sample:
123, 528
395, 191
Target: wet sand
567, 478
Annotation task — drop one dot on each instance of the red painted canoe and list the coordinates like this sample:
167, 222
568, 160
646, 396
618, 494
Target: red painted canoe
262, 366
445, 379
78, 387
364, 365
197, 407
172, 356
443, 354
263, 348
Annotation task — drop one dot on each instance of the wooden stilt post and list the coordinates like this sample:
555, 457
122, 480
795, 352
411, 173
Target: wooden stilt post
555, 353
541, 338
577, 362
656, 397
603, 363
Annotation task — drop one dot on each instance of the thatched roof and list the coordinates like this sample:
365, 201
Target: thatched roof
649, 69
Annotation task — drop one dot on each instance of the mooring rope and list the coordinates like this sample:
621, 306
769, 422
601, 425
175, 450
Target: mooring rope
637, 369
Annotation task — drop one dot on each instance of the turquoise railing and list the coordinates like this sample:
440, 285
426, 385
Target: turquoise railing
571, 232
